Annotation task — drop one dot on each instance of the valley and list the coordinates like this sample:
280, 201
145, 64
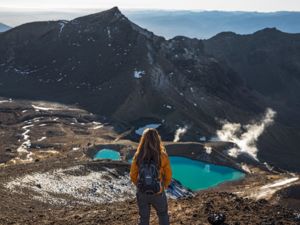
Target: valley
71, 88
55, 168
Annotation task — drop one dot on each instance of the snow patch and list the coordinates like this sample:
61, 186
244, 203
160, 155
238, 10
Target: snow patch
208, 149
270, 168
92, 187
168, 106
268, 190
23, 72
97, 127
42, 108
138, 74
23, 148
25, 135
62, 26
84, 186
5, 101
280, 182
50, 152
108, 32
214, 138
202, 138
246, 168
27, 126
41, 139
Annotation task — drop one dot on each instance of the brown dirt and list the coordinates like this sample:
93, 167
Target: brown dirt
187, 211
62, 136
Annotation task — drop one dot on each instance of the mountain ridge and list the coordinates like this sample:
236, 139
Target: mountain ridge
4, 27
209, 23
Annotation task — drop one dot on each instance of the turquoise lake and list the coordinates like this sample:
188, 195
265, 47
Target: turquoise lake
106, 153
198, 175
193, 174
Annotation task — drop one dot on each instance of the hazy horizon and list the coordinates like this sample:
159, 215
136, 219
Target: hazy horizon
24, 9
231, 5
17, 16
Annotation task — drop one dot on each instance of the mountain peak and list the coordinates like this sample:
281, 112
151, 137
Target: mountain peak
115, 9
110, 14
115, 12
268, 30
270, 33
224, 35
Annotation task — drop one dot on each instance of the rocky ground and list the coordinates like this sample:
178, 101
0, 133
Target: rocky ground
188, 211
25, 202
48, 177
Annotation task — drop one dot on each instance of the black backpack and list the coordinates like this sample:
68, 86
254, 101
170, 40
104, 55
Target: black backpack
148, 179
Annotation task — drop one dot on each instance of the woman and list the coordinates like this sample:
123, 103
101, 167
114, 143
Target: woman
151, 149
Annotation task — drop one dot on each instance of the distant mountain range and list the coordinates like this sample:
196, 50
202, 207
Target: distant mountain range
3, 27
114, 68
199, 24
206, 24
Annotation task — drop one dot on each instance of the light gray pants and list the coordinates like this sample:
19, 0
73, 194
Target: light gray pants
159, 203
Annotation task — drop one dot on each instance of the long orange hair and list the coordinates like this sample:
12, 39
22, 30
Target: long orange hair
150, 147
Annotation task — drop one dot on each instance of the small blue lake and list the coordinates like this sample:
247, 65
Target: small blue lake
106, 153
193, 174
140, 130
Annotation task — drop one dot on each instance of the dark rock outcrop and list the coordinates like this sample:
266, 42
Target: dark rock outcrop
216, 219
111, 66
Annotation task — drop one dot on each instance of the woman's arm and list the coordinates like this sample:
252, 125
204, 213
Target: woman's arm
134, 171
167, 170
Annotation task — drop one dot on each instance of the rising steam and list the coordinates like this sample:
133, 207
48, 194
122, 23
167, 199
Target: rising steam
179, 132
245, 136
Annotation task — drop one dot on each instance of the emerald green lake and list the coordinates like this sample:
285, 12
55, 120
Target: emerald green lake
192, 174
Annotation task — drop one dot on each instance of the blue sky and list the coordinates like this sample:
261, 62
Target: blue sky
228, 5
